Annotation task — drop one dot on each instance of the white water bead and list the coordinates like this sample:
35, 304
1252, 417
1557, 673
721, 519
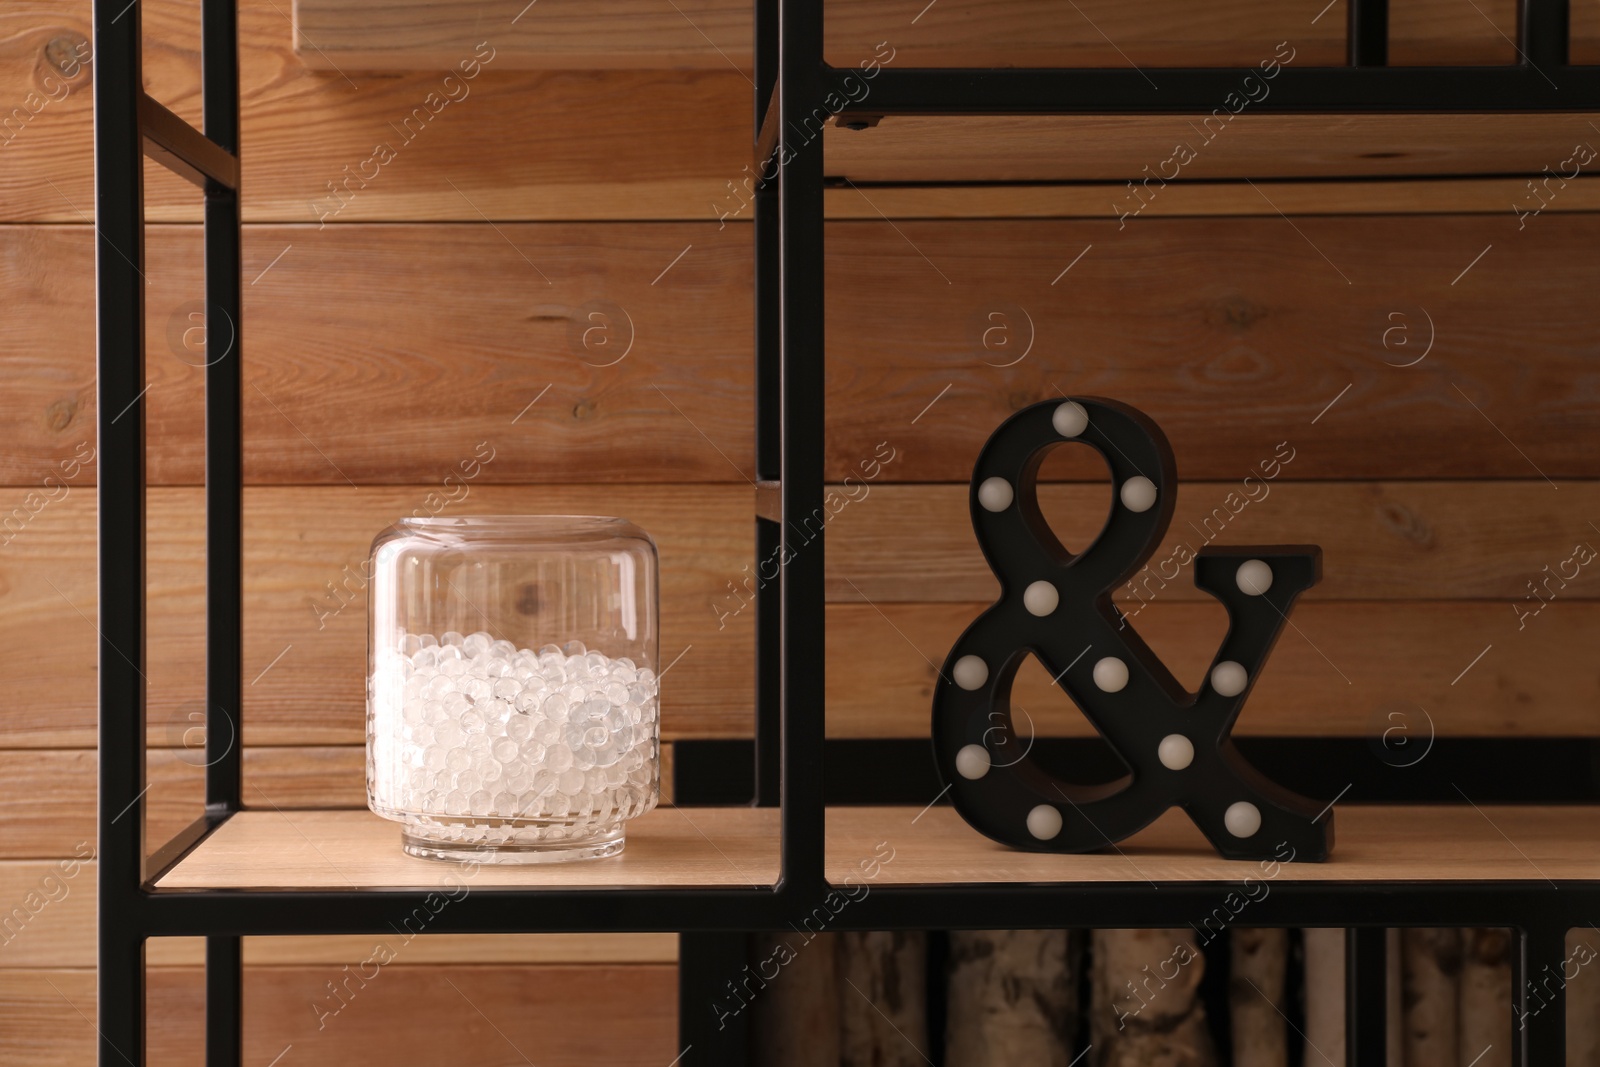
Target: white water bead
1041, 598
1070, 419
995, 494
1111, 675
1175, 752
1254, 577
972, 762
970, 672
1242, 819
1138, 493
1044, 822
1229, 678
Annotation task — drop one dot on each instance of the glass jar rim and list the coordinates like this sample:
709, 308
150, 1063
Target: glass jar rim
543, 527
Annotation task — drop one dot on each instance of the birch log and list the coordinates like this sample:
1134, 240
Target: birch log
1485, 1003
1583, 997
1324, 998
1260, 960
883, 998
1012, 998
1324, 994
796, 1021
1146, 1011
1431, 973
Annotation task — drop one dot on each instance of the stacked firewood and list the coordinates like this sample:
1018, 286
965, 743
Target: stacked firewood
1138, 998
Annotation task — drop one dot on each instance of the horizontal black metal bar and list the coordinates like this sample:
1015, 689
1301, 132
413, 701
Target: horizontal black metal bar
184, 150
180, 845
1402, 767
1111, 91
1263, 901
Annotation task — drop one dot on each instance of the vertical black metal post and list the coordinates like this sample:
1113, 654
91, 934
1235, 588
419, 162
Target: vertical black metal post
713, 1023
119, 283
224, 437
801, 117
1368, 34
1542, 29
224, 503
1538, 997
769, 420
1366, 997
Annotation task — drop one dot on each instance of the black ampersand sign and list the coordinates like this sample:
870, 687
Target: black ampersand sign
1058, 606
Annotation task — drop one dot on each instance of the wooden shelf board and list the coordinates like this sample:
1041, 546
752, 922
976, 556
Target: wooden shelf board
355, 849
1143, 148
1372, 844
738, 847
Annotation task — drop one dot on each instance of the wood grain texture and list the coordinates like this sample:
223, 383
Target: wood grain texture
378, 355
47, 796
1323, 997
47, 920
1012, 996
516, 144
1376, 844
906, 148
1145, 1010
1466, 196
412, 34
589, 144
1233, 334
1394, 543
262, 849
1583, 998
524, 1014
795, 1022
1431, 973
305, 605
399, 373
1484, 1013
1260, 964
883, 997
1404, 662
1383, 541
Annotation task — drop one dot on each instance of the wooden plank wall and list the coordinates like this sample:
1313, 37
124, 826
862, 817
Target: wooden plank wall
1412, 362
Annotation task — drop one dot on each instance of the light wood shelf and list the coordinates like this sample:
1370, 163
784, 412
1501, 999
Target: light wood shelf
738, 847
1372, 844
355, 849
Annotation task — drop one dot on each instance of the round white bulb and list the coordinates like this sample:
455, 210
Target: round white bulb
995, 494
1254, 577
1044, 822
1070, 419
970, 672
1176, 752
1138, 493
1040, 598
1242, 819
1229, 678
1111, 674
972, 761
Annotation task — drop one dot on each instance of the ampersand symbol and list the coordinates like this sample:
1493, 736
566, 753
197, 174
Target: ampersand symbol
1058, 606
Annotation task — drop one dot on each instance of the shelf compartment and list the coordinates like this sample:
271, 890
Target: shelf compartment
718, 848
1373, 844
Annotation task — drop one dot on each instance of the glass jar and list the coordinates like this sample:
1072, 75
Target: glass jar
512, 712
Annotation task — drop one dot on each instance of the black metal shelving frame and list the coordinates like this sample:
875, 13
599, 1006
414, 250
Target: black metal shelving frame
794, 87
